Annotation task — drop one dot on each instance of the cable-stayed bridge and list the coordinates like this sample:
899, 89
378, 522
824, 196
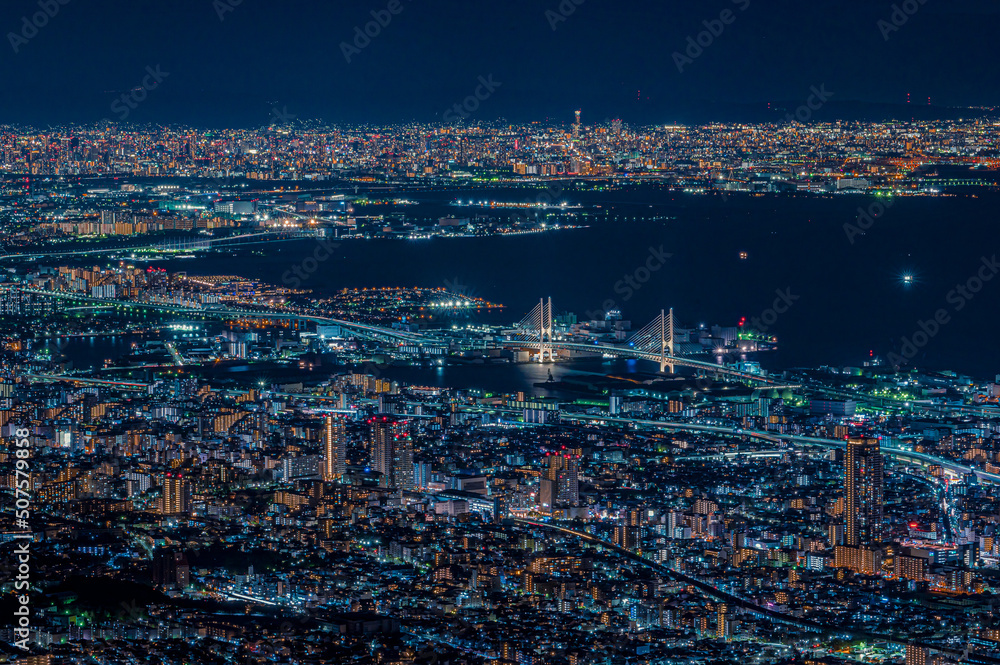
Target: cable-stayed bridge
536, 331
653, 342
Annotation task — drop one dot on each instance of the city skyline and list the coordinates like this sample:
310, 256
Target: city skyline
312, 67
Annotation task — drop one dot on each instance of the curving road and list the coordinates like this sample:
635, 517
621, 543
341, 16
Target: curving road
896, 453
398, 335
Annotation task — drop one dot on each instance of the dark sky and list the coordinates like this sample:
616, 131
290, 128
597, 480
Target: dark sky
287, 54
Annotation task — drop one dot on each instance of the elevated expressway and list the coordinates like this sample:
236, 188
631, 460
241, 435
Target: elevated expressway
361, 329
896, 453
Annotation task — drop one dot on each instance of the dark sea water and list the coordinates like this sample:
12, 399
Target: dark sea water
90, 352
850, 299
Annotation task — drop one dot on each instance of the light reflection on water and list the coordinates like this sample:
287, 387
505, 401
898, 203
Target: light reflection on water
510, 378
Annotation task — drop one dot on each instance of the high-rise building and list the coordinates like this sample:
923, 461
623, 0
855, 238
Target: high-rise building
171, 569
381, 432
863, 484
560, 481
626, 536
916, 655
402, 462
422, 475
176, 494
334, 449
554, 463
859, 558
722, 626
301, 466
546, 494
391, 450
568, 489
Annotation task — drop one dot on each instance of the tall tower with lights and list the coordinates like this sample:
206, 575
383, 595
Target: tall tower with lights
176, 498
334, 449
863, 488
391, 450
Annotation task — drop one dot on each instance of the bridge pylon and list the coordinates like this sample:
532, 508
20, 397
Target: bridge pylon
666, 326
656, 339
545, 352
536, 330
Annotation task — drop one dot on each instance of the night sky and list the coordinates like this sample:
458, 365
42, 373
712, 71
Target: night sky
612, 59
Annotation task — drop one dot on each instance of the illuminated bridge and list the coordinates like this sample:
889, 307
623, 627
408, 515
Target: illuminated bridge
653, 342
360, 329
